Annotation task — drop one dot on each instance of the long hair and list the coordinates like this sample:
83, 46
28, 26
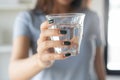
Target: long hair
47, 5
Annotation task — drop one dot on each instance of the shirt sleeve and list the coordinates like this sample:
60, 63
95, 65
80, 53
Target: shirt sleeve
21, 25
99, 32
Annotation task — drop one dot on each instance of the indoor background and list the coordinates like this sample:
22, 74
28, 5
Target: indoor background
10, 8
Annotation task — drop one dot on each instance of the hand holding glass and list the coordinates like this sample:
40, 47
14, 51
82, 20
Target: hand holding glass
73, 24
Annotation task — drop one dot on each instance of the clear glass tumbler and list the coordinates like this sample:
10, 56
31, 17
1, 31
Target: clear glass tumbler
73, 24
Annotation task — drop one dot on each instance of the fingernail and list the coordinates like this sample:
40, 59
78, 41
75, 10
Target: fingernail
67, 54
67, 43
51, 21
63, 32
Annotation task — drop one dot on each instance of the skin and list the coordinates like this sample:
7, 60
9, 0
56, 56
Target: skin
61, 6
23, 67
63, 2
99, 63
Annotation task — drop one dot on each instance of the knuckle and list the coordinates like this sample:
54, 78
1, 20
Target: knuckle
45, 44
39, 42
59, 56
60, 43
38, 49
56, 31
51, 57
42, 34
62, 57
42, 25
41, 47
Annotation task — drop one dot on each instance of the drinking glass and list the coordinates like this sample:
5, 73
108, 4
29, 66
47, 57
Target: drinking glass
73, 24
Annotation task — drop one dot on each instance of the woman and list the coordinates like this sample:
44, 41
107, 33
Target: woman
40, 66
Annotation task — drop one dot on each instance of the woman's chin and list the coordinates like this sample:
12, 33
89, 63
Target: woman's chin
65, 2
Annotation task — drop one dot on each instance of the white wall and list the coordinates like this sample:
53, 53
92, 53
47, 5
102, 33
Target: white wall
6, 25
4, 62
8, 14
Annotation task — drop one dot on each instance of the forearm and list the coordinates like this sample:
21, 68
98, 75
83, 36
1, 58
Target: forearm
100, 70
99, 64
24, 69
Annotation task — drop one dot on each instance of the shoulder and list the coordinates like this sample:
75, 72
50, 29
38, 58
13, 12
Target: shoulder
29, 15
92, 15
22, 18
24, 15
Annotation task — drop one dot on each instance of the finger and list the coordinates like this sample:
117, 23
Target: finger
45, 26
52, 56
50, 44
52, 32
43, 46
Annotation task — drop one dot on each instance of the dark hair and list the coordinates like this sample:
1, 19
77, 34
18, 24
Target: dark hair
46, 5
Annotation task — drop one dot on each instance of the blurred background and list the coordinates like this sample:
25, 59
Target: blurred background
108, 11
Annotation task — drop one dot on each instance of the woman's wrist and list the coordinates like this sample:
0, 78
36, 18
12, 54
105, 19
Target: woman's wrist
41, 64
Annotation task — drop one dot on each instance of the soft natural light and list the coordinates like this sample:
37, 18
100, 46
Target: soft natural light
115, 3
114, 36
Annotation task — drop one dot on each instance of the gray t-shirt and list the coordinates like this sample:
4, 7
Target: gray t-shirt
80, 67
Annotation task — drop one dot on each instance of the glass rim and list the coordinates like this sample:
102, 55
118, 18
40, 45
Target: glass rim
66, 15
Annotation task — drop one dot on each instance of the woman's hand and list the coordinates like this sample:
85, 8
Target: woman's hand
46, 57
